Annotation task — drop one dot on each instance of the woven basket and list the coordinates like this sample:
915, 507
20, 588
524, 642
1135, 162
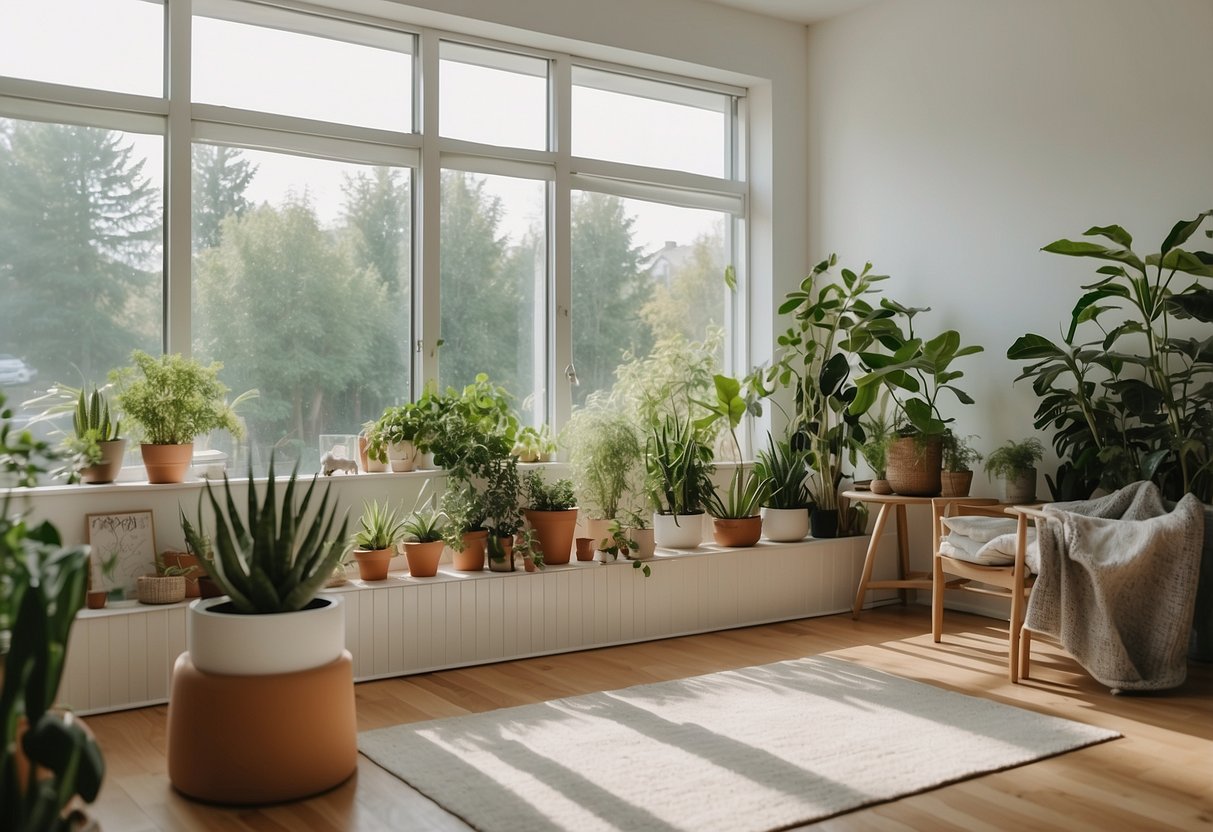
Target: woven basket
160, 589
913, 466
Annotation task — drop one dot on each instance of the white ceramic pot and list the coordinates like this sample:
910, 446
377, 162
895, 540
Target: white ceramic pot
682, 531
254, 645
402, 456
646, 544
785, 525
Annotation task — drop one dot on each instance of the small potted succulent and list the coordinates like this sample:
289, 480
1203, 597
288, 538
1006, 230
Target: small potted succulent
375, 541
97, 444
958, 460
785, 510
1016, 462
679, 468
423, 543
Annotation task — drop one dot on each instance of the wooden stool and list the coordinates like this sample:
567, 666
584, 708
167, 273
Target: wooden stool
261, 739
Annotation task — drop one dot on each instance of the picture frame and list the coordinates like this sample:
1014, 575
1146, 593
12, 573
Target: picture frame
131, 535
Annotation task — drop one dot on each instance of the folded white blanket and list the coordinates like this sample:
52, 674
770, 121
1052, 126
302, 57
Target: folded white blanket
978, 527
986, 541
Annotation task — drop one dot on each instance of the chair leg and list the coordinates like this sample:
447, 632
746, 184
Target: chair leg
1025, 652
1016, 628
937, 590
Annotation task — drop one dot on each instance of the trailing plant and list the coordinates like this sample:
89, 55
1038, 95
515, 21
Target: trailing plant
958, 454
744, 493
279, 560
380, 526
540, 496
678, 466
1014, 458
42, 587
604, 455
783, 471
831, 323
526, 547
618, 543
1128, 389
173, 399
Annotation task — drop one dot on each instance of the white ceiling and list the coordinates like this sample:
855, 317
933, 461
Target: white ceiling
798, 11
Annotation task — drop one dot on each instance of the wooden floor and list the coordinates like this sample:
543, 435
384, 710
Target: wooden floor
1159, 776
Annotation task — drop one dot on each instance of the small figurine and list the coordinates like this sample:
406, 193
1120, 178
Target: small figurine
330, 464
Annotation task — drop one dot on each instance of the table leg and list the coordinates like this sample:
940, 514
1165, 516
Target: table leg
903, 550
877, 530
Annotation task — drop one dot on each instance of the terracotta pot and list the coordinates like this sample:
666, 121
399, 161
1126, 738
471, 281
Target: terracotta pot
423, 557
402, 456
185, 560
95, 599
785, 525
504, 562
111, 463
646, 543
1021, 488
471, 559
682, 531
167, 463
880, 487
585, 548
555, 530
955, 483
913, 466
529, 564
737, 532
373, 564
597, 529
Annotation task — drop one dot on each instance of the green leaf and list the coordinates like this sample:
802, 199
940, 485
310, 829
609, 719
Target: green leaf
1182, 230
833, 373
1071, 248
1033, 347
730, 278
1113, 232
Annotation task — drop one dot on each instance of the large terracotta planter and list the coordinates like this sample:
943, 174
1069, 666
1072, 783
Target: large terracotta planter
555, 530
914, 464
471, 559
955, 483
167, 463
738, 531
681, 531
373, 564
111, 463
423, 557
785, 525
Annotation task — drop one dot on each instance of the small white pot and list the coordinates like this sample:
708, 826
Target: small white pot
254, 645
646, 544
785, 525
682, 531
402, 456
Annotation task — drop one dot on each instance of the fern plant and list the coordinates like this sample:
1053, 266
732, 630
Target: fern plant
277, 563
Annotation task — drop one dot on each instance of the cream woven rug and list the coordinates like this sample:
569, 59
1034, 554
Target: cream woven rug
762, 748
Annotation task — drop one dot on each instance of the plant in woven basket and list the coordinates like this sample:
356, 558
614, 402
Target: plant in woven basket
278, 561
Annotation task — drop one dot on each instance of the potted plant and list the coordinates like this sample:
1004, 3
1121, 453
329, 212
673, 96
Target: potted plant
44, 587
1016, 462
735, 518
392, 439
604, 455
165, 586
465, 532
100, 577
832, 321
678, 465
96, 446
640, 532
783, 471
616, 543
958, 460
552, 513
503, 513
423, 543
268, 659
915, 375
534, 444
878, 434
172, 400
375, 542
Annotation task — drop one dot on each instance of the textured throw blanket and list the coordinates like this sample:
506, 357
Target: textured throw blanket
1117, 585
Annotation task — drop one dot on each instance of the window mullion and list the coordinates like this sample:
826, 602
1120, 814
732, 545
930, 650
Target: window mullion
560, 327
177, 175
428, 313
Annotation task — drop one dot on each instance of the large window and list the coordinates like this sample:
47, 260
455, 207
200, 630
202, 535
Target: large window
343, 208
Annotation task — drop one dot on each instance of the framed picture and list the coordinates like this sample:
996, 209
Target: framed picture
130, 538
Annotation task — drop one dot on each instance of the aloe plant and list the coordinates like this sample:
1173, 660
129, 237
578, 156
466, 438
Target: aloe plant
381, 524
275, 563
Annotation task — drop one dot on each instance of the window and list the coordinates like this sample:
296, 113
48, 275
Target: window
335, 237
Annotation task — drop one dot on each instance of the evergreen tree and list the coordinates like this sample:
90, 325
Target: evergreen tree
221, 176
692, 304
80, 226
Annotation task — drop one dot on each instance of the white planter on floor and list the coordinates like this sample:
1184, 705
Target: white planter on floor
785, 525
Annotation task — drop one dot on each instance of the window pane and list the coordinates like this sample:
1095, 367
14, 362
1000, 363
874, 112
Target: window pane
493, 97
642, 122
80, 252
494, 244
642, 272
291, 73
113, 45
301, 289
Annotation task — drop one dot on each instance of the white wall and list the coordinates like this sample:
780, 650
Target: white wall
951, 139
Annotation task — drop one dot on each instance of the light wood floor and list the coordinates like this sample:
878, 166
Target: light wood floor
1159, 776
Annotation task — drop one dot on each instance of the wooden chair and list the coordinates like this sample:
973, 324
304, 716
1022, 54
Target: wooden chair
1013, 581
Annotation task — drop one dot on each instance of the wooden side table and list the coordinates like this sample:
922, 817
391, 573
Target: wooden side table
907, 580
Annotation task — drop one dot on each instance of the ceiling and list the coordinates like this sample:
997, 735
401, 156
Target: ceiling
798, 11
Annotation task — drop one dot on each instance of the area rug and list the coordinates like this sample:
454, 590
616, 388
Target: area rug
762, 748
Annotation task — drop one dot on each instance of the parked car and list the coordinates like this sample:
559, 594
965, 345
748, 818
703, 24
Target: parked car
13, 370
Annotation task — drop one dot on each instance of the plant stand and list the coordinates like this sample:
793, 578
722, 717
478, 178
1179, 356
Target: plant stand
261, 739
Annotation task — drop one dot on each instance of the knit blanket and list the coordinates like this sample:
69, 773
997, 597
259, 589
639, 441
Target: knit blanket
1117, 585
